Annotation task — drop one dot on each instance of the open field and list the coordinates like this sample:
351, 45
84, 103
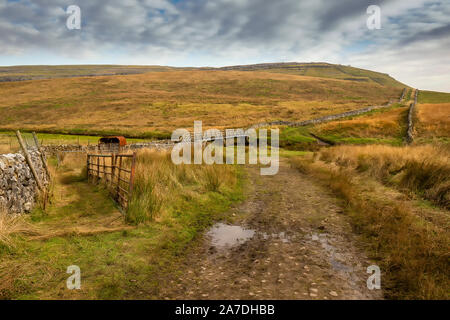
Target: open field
153, 104
9, 143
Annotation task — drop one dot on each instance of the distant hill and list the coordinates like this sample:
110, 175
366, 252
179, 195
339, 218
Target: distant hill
320, 69
22, 73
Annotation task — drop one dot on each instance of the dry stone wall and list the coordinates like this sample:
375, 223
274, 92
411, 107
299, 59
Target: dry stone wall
55, 149
18, 188
319, 120
410, 127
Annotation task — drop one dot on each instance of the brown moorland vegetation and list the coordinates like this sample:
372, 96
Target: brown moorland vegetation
383, 124
161, 101
433, 120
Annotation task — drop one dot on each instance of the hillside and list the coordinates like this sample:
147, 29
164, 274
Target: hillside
145, 105
321, 70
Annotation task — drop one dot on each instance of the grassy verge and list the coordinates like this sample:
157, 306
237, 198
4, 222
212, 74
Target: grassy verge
133, 262
411, 251
422, 170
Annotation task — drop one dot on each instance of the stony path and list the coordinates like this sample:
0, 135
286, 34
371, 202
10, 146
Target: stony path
303, 248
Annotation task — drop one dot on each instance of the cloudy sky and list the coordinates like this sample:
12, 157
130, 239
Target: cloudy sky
413, 44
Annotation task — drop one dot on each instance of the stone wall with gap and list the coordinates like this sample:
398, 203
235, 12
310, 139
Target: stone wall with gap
18, 188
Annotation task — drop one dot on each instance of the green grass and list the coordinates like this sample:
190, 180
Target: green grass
433, 97
8, 139
336, 139
121, 264
84, 135
292, 153
296, 138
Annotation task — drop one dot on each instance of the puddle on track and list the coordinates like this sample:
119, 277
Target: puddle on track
224, 235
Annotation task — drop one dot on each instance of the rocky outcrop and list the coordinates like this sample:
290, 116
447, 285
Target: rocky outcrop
18, 188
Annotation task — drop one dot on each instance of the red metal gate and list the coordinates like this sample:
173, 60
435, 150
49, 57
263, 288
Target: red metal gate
116, 171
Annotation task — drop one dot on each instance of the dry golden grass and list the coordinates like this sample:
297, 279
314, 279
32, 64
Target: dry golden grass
411, 251
12, 224
433, 120
162, 101
160, 184
391, 123
424, 170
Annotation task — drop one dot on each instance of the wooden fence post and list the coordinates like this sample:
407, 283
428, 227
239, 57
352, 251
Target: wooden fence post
28, 159
36, 141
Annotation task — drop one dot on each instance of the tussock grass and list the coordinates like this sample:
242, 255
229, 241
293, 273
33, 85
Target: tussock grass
411, 252
424, 170
159, 183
